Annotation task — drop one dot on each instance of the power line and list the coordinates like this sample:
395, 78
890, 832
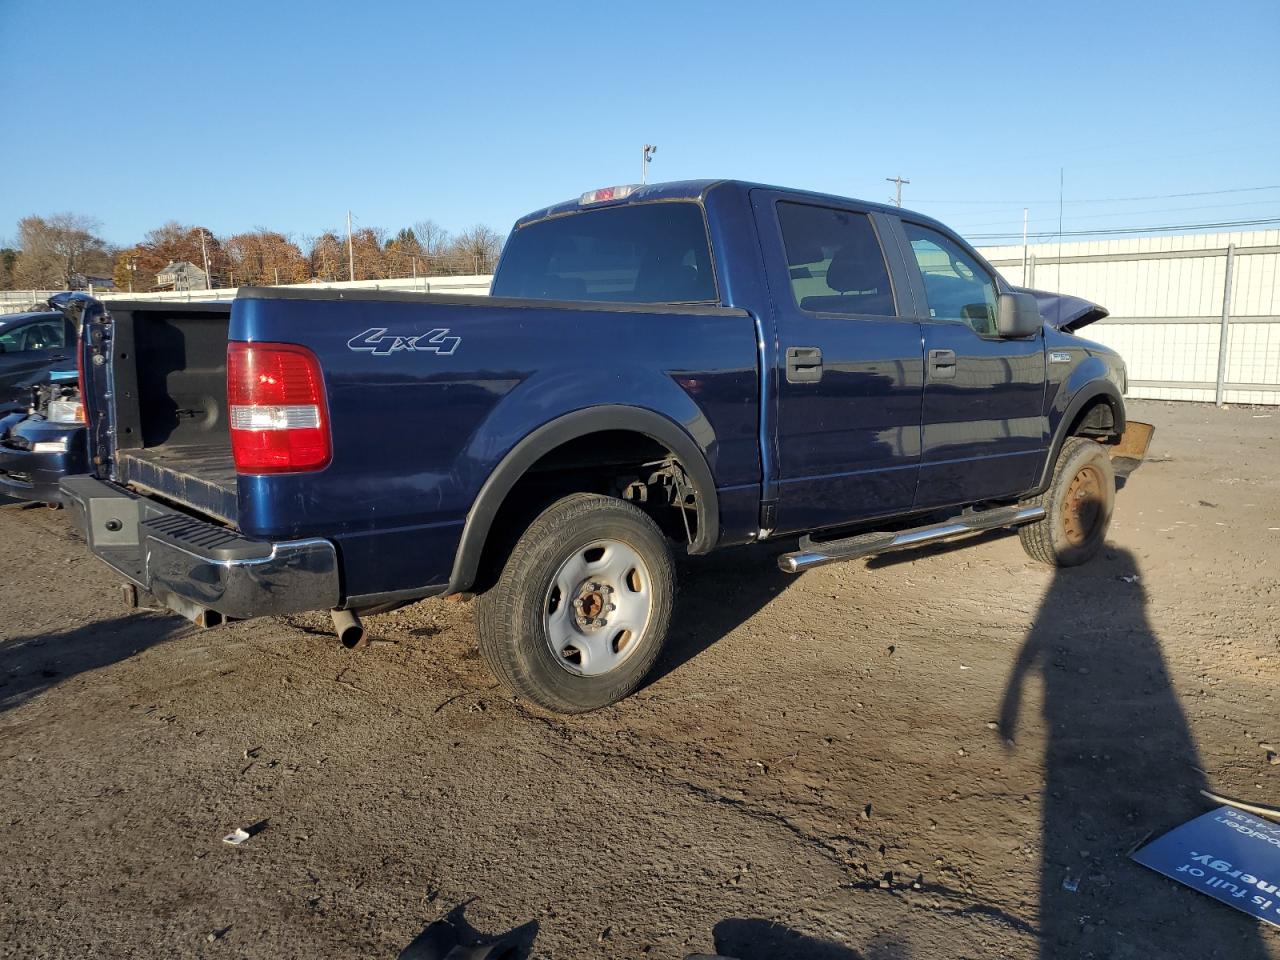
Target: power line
1133, 213
1093, 233
1153, 196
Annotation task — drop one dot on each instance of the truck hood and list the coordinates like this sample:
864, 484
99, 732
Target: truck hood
1063, 312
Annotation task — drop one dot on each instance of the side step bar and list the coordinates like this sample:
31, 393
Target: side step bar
813, 554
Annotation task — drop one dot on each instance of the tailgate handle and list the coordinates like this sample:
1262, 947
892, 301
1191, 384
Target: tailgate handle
804, 364
942, 364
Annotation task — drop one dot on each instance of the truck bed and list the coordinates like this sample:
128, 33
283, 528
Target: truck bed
170, 404
202, 476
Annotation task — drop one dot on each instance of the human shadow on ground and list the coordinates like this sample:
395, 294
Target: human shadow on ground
453, 938
752, 939
1120, 764
33, 663
717, 594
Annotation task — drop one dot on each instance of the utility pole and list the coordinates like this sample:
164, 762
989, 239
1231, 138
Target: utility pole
351, 250
1025, 281
899, 181
646, 158
204, 252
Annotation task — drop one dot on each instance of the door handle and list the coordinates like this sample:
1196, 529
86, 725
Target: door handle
804, 364
942, 364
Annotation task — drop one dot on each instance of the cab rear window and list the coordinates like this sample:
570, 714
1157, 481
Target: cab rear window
638, 253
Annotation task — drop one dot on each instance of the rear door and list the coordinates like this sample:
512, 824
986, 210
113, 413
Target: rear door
984, 432
851, 363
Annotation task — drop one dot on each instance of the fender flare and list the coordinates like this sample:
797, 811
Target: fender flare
1085, 396
571, 426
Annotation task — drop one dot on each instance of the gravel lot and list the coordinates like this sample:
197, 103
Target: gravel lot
901, 758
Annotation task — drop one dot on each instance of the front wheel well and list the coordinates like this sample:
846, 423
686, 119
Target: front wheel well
1097, 419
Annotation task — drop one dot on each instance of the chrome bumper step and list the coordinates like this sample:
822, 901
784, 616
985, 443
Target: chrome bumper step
816, 553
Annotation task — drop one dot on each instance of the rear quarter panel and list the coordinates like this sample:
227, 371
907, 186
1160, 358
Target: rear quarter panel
416, 434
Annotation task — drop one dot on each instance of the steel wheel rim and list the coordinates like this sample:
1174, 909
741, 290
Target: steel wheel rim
1083, 507
597, 608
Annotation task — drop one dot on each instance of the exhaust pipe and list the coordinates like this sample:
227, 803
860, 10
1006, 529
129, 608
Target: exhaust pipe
349, 629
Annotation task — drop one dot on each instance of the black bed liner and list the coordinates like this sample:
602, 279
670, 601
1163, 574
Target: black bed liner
198, 475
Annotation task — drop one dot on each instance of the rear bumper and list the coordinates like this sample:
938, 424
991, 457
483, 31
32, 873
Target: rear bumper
193, 566
29, 475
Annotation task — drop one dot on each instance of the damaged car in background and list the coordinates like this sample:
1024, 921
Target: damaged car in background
42, 424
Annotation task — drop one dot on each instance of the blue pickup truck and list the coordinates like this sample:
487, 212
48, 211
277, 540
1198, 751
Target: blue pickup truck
685, 366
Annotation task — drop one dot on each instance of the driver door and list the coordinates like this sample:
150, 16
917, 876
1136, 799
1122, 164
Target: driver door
984, 433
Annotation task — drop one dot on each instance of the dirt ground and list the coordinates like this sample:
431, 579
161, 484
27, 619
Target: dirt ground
911, 757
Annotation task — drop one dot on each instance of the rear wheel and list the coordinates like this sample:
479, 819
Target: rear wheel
1077, 505
581, 608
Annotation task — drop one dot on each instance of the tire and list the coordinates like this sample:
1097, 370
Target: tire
1077, 505
580, 610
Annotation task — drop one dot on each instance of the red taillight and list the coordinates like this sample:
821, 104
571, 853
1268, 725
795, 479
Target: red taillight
276, 406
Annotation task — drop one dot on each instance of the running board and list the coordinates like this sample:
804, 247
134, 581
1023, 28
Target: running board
813, 554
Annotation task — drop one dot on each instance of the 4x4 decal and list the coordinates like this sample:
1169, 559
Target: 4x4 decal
377, 342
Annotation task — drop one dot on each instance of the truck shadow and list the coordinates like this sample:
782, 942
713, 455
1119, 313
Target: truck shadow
32, 664
717, 594
1119, 763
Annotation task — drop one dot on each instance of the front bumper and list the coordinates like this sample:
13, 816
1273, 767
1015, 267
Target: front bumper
26, 474
193, 566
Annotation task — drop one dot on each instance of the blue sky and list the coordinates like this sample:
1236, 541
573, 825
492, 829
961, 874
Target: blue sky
237, 115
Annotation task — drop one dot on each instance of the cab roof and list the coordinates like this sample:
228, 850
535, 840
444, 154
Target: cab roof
698, 190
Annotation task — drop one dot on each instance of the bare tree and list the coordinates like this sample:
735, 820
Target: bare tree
477, 249
432, 238
58, 252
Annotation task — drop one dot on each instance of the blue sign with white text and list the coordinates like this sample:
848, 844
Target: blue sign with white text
1226, 853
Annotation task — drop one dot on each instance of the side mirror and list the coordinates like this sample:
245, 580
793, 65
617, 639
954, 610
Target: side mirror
1018, 315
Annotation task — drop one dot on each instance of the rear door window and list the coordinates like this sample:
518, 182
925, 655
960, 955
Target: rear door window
639, 253
835, 261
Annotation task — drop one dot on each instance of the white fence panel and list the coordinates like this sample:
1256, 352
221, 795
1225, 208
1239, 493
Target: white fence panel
1166, 297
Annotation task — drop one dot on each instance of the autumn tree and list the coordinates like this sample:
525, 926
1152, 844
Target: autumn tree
264, 257
369, 247
327, 257
166, 244
58, 252
126, 274
403, 253
8, 261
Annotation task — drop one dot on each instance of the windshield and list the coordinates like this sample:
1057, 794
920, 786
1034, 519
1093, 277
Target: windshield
639, 253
